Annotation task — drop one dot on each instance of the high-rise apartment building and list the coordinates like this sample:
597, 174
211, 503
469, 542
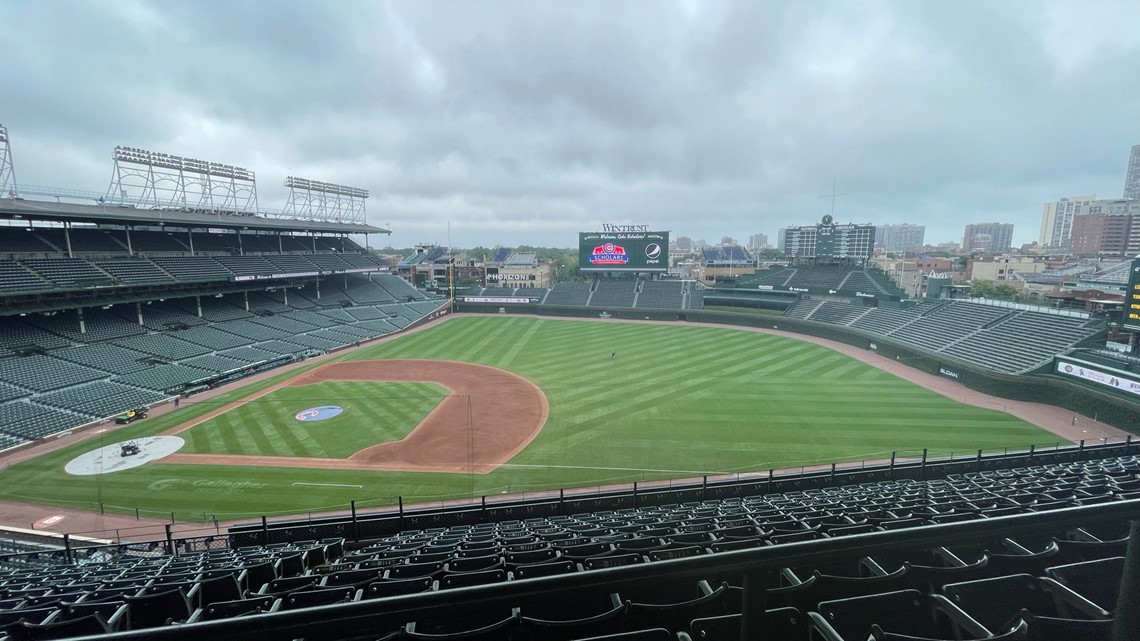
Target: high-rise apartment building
900, 238
1132, 174
757, 242
1109, 227
1057, 220
992, 237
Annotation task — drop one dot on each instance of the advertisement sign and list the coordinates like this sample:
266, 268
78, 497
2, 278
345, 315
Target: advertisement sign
646, 251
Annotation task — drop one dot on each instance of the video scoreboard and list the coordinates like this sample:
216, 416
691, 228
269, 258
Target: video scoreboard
1131, 318
640, 251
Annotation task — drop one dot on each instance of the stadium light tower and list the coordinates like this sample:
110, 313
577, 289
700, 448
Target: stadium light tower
163, 181
325, 202
8, 188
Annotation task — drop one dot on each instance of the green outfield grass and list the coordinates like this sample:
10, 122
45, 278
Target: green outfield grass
677, 401
267, 426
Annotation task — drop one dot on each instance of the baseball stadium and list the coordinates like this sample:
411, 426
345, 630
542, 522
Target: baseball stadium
229, 422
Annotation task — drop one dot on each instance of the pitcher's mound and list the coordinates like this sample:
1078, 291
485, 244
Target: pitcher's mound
124, 455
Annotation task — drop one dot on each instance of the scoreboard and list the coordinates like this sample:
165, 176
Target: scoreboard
646, 251
829, 240
1131, 318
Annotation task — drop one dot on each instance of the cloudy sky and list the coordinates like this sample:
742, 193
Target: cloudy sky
526, 122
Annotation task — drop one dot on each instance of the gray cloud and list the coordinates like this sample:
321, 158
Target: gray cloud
526, 122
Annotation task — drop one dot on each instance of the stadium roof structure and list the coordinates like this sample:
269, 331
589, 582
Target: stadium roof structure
110, 214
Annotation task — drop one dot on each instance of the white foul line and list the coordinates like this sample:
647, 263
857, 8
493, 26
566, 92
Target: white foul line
328, 485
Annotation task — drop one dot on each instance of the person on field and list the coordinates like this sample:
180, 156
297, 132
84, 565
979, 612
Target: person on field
613, 354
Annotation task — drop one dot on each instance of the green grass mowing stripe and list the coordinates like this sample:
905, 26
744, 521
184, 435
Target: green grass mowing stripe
677, 398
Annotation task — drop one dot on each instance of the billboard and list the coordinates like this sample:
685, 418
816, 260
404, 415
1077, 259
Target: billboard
1106, 378
1130, 320
646, 251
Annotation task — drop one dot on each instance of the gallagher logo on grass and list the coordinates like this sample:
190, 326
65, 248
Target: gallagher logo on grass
609, 254
318, 413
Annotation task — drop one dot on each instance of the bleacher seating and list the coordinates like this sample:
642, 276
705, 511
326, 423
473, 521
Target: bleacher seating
210, 337
159, 241
247, 265
569, 294
252, 330
15, 278
249, 354
99, 399
24, 420
86, 240
219, 364
614, 292
98, 325
398, 288
42, 373
1067, 577
16, 334
218, 309
134, 271
166, 346
21, 240
164, 378
67, 272
998, 338
192, 268
661, 294
107, 357
291, 264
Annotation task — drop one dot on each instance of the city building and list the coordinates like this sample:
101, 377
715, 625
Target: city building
683, 243
782, 239
1004, 267
900, 238
1057, 220
520, 270
757, 242
988, 237
1132, 174
1109, 227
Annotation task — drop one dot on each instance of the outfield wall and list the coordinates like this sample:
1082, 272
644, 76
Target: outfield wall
1039, 387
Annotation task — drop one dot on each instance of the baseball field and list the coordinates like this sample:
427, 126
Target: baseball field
482, 405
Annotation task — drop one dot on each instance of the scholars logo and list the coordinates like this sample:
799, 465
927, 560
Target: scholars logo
653, 251
609, 254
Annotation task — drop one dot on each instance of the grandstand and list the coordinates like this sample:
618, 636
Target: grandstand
1001, 338
617, 293
124, 307
920, 549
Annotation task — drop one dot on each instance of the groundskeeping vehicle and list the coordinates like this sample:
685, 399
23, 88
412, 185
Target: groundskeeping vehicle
130, 416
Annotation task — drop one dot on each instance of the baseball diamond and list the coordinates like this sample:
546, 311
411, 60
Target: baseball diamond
536, 404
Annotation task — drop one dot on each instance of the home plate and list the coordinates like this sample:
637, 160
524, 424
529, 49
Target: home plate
124, 455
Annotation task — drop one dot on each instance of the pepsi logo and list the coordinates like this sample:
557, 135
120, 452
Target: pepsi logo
652, 250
